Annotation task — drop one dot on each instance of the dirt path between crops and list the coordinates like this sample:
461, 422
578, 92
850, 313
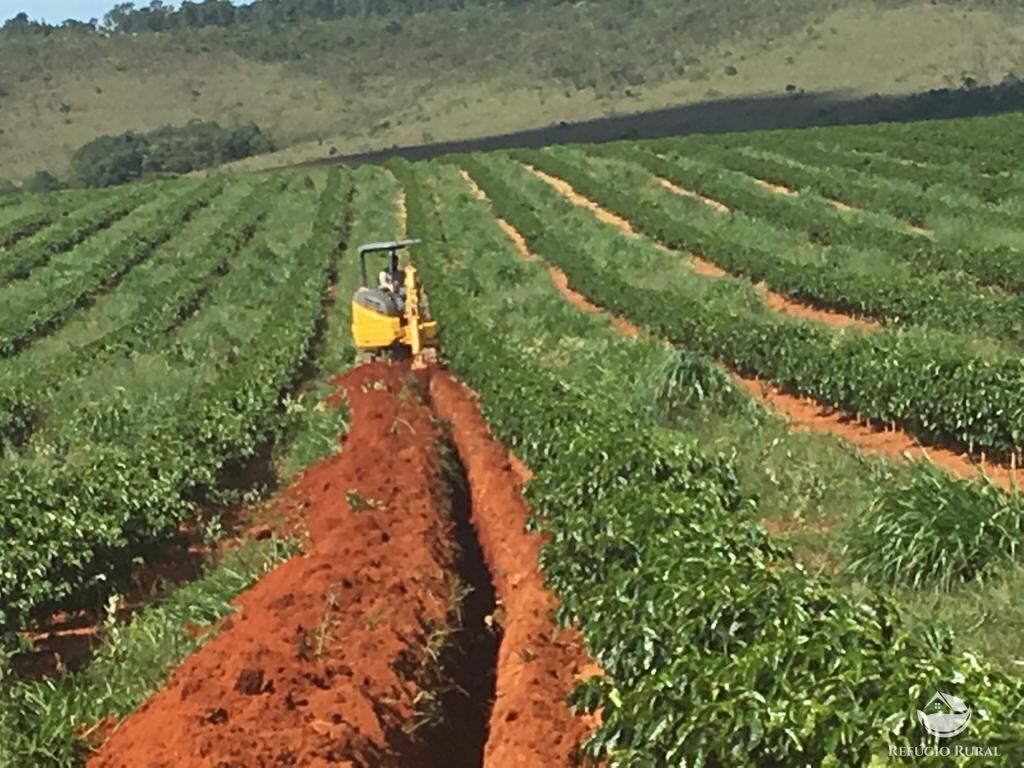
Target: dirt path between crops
352, 653
839, 205
774, 301
558, 277
780, 189
804, 413
400, 214
678, 190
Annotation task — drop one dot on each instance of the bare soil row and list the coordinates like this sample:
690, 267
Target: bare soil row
413, 630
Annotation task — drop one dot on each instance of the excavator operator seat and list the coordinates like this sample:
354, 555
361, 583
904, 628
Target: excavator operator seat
379, 300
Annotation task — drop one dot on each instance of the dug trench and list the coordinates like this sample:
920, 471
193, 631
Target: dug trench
413, 630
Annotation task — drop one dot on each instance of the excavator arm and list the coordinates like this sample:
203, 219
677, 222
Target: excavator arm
417, 330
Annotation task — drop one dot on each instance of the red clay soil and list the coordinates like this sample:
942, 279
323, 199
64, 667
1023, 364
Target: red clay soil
320, 665
705, 267
778, 303
771, 186
531, 725
675, 188
804, 413
581, 302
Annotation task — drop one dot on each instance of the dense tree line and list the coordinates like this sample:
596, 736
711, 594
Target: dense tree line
110, 160
160, 17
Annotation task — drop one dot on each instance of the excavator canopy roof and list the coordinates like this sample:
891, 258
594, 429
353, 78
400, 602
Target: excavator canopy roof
391, 246
388, 246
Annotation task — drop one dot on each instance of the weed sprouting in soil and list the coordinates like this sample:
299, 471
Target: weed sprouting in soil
358, 503
690, 384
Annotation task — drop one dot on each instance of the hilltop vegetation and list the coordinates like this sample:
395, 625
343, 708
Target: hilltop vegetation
355, 76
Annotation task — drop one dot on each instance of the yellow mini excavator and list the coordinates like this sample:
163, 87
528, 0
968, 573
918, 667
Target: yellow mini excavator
392, 320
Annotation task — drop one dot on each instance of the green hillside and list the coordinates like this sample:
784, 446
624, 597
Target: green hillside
399, 77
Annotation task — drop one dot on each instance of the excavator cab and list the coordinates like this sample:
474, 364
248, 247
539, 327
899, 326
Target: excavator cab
392, 278
391, 320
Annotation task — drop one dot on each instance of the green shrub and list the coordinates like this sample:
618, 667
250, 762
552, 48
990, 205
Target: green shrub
935, 531
111, 160
41, 181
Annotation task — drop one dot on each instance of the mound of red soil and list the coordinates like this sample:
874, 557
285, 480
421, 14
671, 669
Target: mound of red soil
331, 656
320, 665
531, 725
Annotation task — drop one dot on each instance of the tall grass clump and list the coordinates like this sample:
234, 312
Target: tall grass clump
928, 530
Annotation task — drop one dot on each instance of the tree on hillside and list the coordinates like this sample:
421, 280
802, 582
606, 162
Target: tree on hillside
22, 23
210, 13
74, 25
118, 17
159, 16
109, 160
18, 22
41, 181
